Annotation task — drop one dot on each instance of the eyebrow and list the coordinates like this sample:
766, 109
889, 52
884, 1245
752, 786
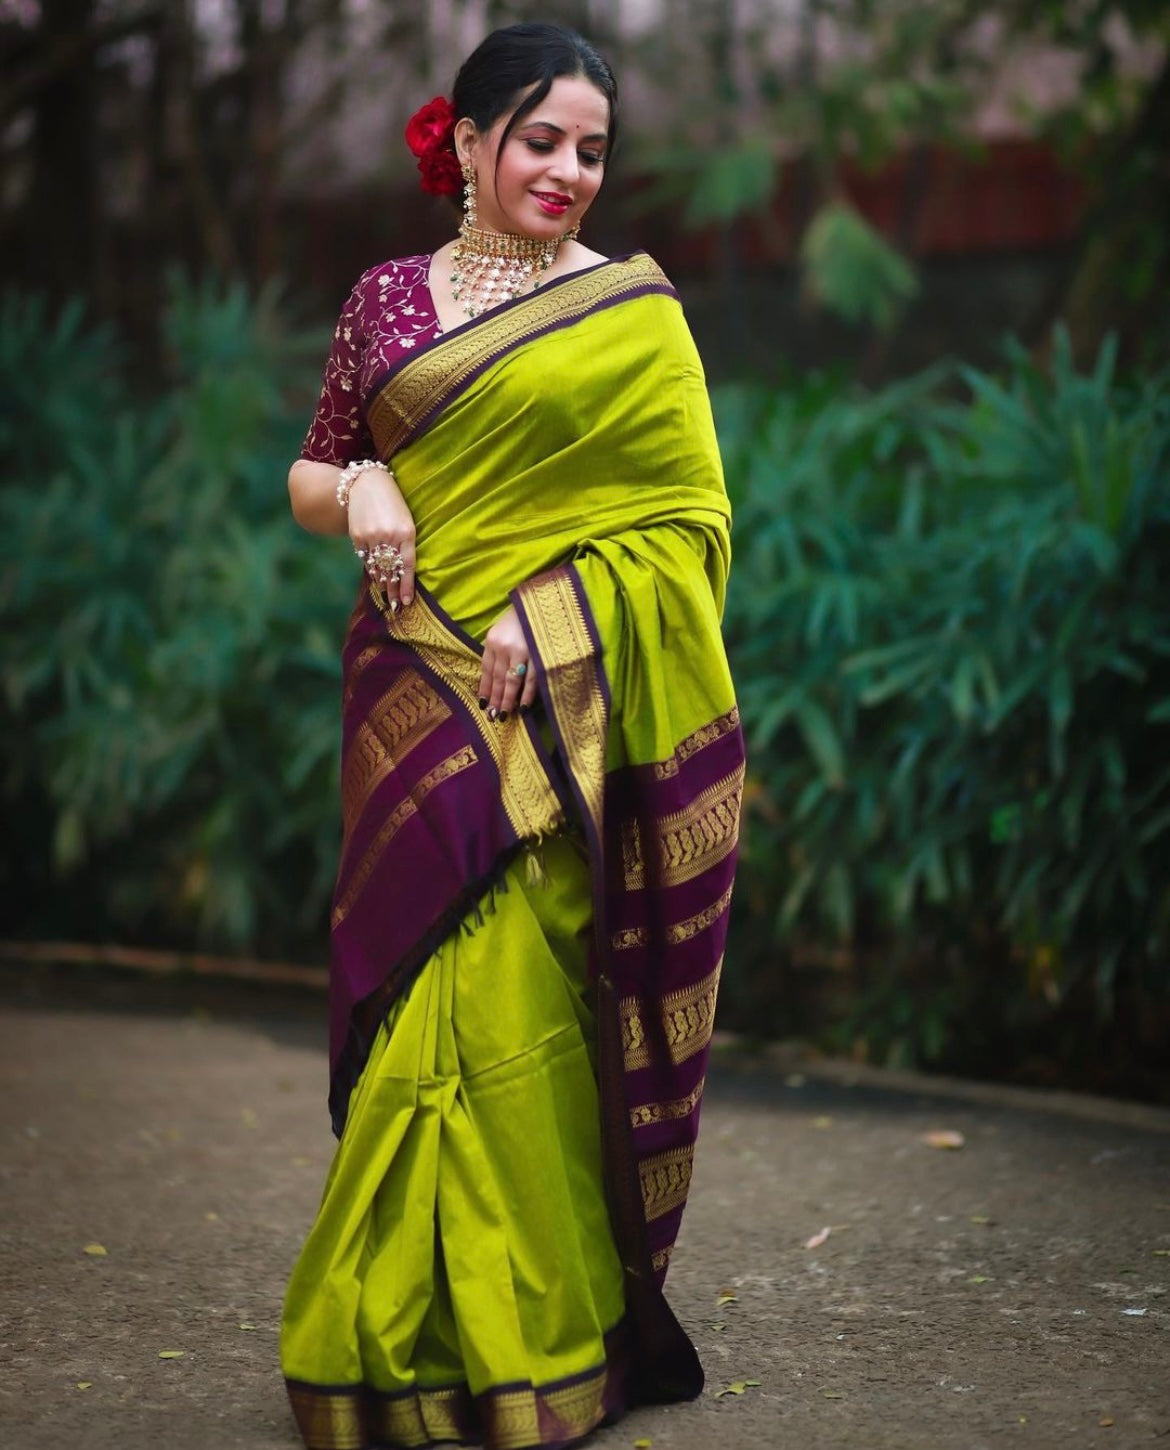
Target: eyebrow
560, 130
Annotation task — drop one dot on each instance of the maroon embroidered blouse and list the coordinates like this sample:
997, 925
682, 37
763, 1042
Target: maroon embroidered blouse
389, 312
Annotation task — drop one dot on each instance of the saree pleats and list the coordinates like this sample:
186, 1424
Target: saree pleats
461, 1280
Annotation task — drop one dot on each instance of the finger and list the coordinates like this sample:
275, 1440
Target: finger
485, 675
528, 694
499, 684
406, 584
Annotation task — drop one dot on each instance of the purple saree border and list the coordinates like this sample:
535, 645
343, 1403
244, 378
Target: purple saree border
356, 1013
469, 1415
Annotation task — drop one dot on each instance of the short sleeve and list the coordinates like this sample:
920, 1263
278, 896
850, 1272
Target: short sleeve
338, 432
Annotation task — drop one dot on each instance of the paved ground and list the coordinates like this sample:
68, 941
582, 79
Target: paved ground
1009, 1292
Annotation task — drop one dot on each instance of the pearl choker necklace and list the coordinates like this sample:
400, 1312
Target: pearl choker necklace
488, 268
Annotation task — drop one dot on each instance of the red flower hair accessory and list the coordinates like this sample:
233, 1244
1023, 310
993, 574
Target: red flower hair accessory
430, 134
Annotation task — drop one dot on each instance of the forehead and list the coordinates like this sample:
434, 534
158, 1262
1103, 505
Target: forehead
573, 104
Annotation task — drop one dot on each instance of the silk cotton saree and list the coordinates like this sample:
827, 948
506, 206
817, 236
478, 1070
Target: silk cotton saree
530, 914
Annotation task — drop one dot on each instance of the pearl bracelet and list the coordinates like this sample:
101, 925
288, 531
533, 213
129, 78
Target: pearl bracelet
350, 474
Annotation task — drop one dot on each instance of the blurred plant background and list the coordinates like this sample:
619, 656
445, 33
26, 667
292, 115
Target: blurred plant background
926, 252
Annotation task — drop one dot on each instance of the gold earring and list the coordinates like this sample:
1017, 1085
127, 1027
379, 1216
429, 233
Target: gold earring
470, 218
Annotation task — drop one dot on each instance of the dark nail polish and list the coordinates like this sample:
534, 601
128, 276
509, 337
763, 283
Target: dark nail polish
395, 606
503, 714
493, 713
482, 703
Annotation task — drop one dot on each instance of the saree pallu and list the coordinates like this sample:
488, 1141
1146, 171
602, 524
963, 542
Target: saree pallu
558, 454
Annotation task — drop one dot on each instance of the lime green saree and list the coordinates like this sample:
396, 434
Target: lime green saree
529, 917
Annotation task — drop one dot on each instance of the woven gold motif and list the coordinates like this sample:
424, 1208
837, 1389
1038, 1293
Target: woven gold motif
650, 1113
681, 931
688, 1019
572, 681
402, 719
420, 1418
357, 669
329, 1420
705, 735
666, 1180
660, 1259
406, 808
690, 840
528, 797
424, 383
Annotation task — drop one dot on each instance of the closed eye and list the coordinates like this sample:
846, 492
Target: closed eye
536, 143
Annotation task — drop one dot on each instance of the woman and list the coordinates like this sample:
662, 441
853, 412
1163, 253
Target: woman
541, 775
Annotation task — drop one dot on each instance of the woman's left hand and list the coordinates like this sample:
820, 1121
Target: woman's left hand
508, 679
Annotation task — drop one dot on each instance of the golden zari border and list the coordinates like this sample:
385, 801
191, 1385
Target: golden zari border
420, 1418
666, 1180
462, 760
357, 669
529, 800
660, 1259
679, 932
426, 381
688, 1019
329, 1419
691, 840
651, 1113
704, 736
571, 681
401, 720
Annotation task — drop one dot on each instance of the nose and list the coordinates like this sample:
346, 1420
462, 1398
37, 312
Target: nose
566, 165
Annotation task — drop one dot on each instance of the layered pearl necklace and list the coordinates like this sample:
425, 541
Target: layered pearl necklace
488, 268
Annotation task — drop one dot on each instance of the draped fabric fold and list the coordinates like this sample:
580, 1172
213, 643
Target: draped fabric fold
557, 454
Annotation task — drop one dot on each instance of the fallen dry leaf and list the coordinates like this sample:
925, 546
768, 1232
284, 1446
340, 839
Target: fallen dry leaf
717, 1326
977, 1279
248, 1117
737, 1387
85, 1384
832, 1394
981, 1218
1161, 1253
211, 1217
1105, 1421
643, 1444
726, 1296
943, 1138
95, 1251
818, 1238
1136, 1313
247, 1326
171, 1353
822, 1122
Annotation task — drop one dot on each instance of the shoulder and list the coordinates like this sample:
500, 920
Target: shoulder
641, 270
401, 273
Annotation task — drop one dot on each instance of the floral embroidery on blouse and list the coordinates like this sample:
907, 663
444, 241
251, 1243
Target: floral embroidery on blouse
388, 313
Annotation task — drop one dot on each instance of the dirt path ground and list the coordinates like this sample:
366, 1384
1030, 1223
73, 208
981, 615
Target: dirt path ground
1010, 1292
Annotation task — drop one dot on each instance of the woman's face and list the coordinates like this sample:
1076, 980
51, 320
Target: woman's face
550, 167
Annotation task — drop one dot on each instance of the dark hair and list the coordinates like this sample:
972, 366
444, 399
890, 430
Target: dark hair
510, 60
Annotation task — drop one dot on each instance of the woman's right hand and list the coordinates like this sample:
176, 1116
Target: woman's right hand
378, 514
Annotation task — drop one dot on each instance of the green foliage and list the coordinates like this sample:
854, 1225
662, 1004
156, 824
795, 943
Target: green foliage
952, 645
852, 270
169, 707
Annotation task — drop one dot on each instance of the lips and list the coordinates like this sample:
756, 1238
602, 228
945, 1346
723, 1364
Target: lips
555, 203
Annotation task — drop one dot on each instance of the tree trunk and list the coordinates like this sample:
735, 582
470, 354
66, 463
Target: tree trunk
1117, 278
62, 218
